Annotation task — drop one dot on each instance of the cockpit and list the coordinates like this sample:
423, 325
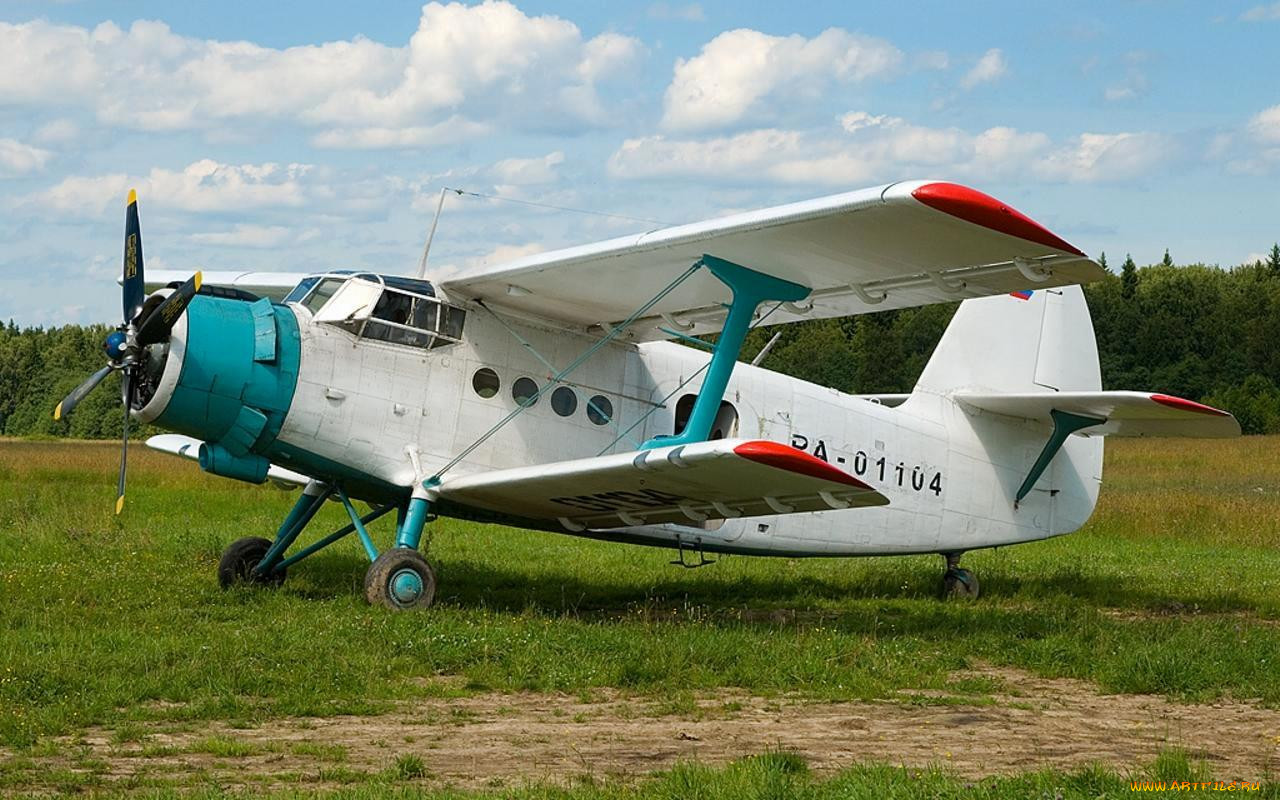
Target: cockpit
388, 308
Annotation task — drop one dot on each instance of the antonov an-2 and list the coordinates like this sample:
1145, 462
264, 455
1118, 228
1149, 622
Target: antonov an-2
558, 391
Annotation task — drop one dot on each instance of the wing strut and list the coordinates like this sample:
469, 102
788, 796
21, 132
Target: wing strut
750, 289
1064, 424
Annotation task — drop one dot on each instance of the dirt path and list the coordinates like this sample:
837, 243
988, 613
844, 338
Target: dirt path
494, 739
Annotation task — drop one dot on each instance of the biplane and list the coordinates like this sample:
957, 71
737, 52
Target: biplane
577, 391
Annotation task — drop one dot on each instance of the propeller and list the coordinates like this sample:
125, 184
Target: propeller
146, 322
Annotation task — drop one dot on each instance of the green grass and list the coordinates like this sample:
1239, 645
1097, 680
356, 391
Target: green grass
1173, 588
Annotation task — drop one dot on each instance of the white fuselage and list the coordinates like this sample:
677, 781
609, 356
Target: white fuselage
950, 473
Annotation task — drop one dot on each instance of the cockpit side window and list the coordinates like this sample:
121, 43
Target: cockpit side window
321, 293
414, 320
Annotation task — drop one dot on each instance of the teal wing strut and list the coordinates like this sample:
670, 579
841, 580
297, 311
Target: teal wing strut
750, 289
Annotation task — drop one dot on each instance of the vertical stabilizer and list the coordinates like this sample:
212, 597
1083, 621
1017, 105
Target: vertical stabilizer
1036, 341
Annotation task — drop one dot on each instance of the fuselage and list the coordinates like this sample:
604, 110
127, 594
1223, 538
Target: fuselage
382, 414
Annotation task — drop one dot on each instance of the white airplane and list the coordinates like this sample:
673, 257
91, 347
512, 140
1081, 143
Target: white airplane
556, 392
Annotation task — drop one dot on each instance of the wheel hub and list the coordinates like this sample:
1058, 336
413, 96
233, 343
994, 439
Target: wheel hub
405, 586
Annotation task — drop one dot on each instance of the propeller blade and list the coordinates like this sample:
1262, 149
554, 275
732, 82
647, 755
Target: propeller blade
126, 392
133, 290
72, 400
156, 327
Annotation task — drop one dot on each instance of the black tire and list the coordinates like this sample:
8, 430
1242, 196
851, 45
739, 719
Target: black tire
390, 581
239, 559
959, 584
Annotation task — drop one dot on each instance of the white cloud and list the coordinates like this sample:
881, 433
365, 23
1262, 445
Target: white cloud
1092, 157
742, 72
990, 67
202, 186
527, 171
483, 62
243, 235
453, 130
58, 131
1265, 125
687, 13
17, 158
874, 148
1263, 13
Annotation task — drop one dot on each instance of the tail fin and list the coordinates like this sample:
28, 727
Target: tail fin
1033, 341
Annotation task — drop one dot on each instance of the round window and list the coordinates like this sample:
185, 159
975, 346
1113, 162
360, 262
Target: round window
599, 410
485, 382
564, 402
523, 390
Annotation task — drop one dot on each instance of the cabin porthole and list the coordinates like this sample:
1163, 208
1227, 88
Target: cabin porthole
564, 402
599, 410
485, 382
524, 391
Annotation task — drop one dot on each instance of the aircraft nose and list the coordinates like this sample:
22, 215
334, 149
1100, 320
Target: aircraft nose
228, 380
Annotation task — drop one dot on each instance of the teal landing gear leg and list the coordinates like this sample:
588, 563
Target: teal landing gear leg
401, 578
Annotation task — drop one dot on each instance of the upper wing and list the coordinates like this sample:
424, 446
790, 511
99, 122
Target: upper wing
187, 447
274, 285
904, 244
709, 480
1126, 413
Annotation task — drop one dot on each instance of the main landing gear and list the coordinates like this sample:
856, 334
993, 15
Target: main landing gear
957, 582
398, 578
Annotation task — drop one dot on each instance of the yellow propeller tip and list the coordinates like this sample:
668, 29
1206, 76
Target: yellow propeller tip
57, 412
133, 197
119, 504
199, 279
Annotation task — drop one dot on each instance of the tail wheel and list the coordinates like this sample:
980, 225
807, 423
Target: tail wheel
400, 579
959, 583
239, 559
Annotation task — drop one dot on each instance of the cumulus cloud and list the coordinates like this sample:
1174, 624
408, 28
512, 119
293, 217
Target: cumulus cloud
246, 235
883, 148
481, 63
527, 171
990, 67
1263, 13
1265, 126
202, 186
17, 158
740, 72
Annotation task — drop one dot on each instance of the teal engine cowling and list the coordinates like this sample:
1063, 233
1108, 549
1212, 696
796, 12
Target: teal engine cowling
228, 379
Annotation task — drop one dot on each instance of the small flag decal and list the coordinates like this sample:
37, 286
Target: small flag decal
1024, 294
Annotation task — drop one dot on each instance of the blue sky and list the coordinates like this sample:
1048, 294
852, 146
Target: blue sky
305, 136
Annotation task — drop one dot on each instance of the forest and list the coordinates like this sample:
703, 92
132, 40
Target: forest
1196, 331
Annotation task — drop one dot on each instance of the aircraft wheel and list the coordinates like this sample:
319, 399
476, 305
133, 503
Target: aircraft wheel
960, 584
400, 579
239, 559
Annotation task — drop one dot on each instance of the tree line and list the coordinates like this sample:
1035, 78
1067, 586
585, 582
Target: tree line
1197, 331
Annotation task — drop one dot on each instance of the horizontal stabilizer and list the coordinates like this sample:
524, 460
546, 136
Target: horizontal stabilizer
188, 447
1125, 413
687, 484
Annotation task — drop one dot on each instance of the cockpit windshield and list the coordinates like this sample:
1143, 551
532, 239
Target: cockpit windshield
388, 308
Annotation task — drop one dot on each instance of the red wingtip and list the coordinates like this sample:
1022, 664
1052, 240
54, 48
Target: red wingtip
1182, 404
785, 457
973, 206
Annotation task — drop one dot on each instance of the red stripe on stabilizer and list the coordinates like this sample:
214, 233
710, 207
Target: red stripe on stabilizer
786, 457
973, 206
1183, 404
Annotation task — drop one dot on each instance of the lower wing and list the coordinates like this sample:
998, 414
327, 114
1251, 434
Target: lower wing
721, 479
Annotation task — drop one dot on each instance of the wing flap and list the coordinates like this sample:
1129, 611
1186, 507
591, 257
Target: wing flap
721, 479
893, 246
1126, 413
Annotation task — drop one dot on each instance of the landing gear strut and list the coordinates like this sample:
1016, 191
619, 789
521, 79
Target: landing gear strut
957, 582
399, 578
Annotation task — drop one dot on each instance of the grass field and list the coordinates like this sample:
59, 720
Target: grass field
1172, 589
